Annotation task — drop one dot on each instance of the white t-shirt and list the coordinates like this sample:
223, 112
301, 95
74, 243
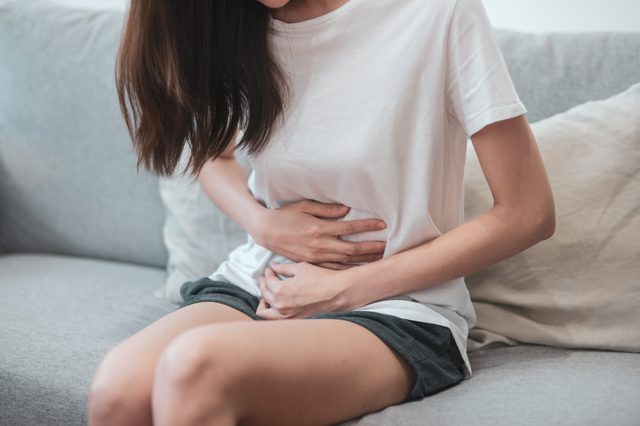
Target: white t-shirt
386, 94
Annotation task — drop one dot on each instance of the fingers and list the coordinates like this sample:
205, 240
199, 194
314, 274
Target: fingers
349, 251
365, 258
335, 266
271, 281
341, 259
330, 249
320, 240
262, 306
346, 227
265, 309
265, 290
287, 269
267, 313
319, 209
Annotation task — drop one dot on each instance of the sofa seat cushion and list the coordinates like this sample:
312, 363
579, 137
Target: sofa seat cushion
530, 385
60, 315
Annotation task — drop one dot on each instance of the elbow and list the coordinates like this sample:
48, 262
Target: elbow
534, 224
545, 223
542, 216
546, 226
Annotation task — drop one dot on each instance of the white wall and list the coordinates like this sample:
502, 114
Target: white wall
528, 15
97, 4
565, 15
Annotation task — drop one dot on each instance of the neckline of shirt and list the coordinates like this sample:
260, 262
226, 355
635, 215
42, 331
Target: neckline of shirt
279, 26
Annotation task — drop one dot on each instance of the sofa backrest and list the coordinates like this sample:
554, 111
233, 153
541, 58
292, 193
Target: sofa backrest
553, 72
68, 180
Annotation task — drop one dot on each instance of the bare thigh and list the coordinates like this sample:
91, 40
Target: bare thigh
123, 381
282, 372
155, 336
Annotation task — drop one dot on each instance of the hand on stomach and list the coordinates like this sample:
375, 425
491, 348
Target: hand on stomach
333, 236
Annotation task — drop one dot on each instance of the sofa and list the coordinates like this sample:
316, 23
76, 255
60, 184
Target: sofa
81, 231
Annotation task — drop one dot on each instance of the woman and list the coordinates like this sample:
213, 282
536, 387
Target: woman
355, 115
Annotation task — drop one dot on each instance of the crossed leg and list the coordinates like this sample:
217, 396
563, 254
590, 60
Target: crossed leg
276, 372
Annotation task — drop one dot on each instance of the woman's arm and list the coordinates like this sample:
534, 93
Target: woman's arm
523, 214
224, 181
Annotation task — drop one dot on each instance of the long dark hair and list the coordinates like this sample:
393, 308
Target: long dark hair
193, 73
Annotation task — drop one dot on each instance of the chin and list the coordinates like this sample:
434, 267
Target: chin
274, 4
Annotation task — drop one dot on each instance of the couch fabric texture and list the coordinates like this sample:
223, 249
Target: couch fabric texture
81, 230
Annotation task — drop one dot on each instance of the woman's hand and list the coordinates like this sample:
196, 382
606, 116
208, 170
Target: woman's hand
310, 290
300, 232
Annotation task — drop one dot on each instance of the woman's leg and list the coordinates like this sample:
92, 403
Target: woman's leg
277, 372
121, 389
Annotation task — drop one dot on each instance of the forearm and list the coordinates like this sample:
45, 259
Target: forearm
481, 242
225, 184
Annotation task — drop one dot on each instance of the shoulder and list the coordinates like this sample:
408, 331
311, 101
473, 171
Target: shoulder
443, 13
434, 14
466, 9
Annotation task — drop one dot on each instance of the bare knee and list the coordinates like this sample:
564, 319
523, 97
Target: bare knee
193, 358
119, 394
194, 378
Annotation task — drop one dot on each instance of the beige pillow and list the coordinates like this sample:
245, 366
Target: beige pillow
581, 287
197, 234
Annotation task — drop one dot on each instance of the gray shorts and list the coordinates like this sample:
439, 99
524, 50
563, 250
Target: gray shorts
430, 349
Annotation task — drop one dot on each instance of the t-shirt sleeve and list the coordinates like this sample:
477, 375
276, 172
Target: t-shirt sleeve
479, 88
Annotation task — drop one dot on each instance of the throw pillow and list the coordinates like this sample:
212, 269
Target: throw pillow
581, 287
198, 235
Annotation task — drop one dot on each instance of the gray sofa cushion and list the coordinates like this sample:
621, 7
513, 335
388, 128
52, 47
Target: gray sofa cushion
58, 317
61, 315
531, 385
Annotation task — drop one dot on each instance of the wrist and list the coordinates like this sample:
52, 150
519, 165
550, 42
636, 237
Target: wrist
365, 283
347, 294
258, 225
